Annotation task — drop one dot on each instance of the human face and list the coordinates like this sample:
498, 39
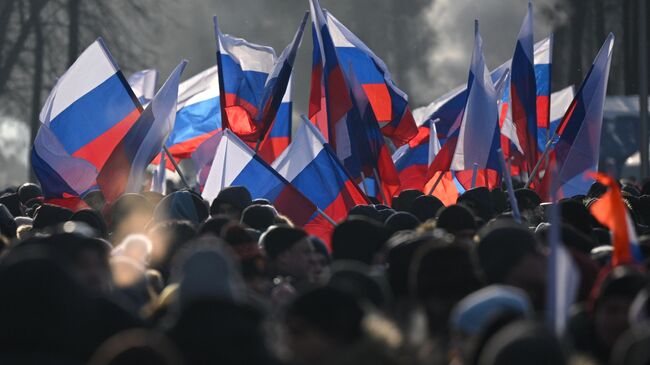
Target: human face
611, 319
298, 259
319, 268
530, 276
229, 210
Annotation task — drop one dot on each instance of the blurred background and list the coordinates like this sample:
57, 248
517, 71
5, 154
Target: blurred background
426, 44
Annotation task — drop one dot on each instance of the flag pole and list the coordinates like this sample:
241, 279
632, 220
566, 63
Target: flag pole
511, 192
474, 173
547, 148
137, 103
435, 185
178, 168
327, 217
643, 90
378, 182
363, 182
222, 89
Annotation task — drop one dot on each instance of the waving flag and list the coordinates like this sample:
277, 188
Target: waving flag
62, 176
329, 99
91, 107
143, 84
313, 168
388, 103
246, 67
370, 155
577, 149
610, 210
198, 115
476, 140
277, 85
124, 169
523, 92
235, 163
279, 137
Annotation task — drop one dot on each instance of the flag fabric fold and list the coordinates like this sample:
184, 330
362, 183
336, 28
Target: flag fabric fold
578, 147
125, 167
91, 107
236, 164
476, 139
143, 84
610, 210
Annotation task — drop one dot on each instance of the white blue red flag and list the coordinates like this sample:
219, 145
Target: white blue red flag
388, 103
577, 150
124, 170
91, 107
311, 166
236, 164
523, 92
245, 69
476, 140
61, 175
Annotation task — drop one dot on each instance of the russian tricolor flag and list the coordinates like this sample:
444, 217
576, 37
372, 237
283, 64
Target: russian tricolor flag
246, 68
198, 114
578, 147
329, 98
277, 92
236, 164
91, 107
61, 175
124, 169
388, 102
523, 92
312, 167
476, 140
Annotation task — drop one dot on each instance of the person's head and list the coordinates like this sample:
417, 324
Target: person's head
181, 205
259, 217
529, 205
366, 211
136, 246
522, 342
231, 202
289, 251
404, 201
214, 225
167, 238
402, 221
442, 273
401, 249
511, 255
29, 191
220, 332
48, 215
322, 322
8, 225
93, 219
611, 301
86, 258
457, 220
130, 213
320, 261
426, 207
360, 240
136, 347
479, 202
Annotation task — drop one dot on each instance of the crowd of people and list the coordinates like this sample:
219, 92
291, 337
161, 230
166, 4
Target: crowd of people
172, 279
